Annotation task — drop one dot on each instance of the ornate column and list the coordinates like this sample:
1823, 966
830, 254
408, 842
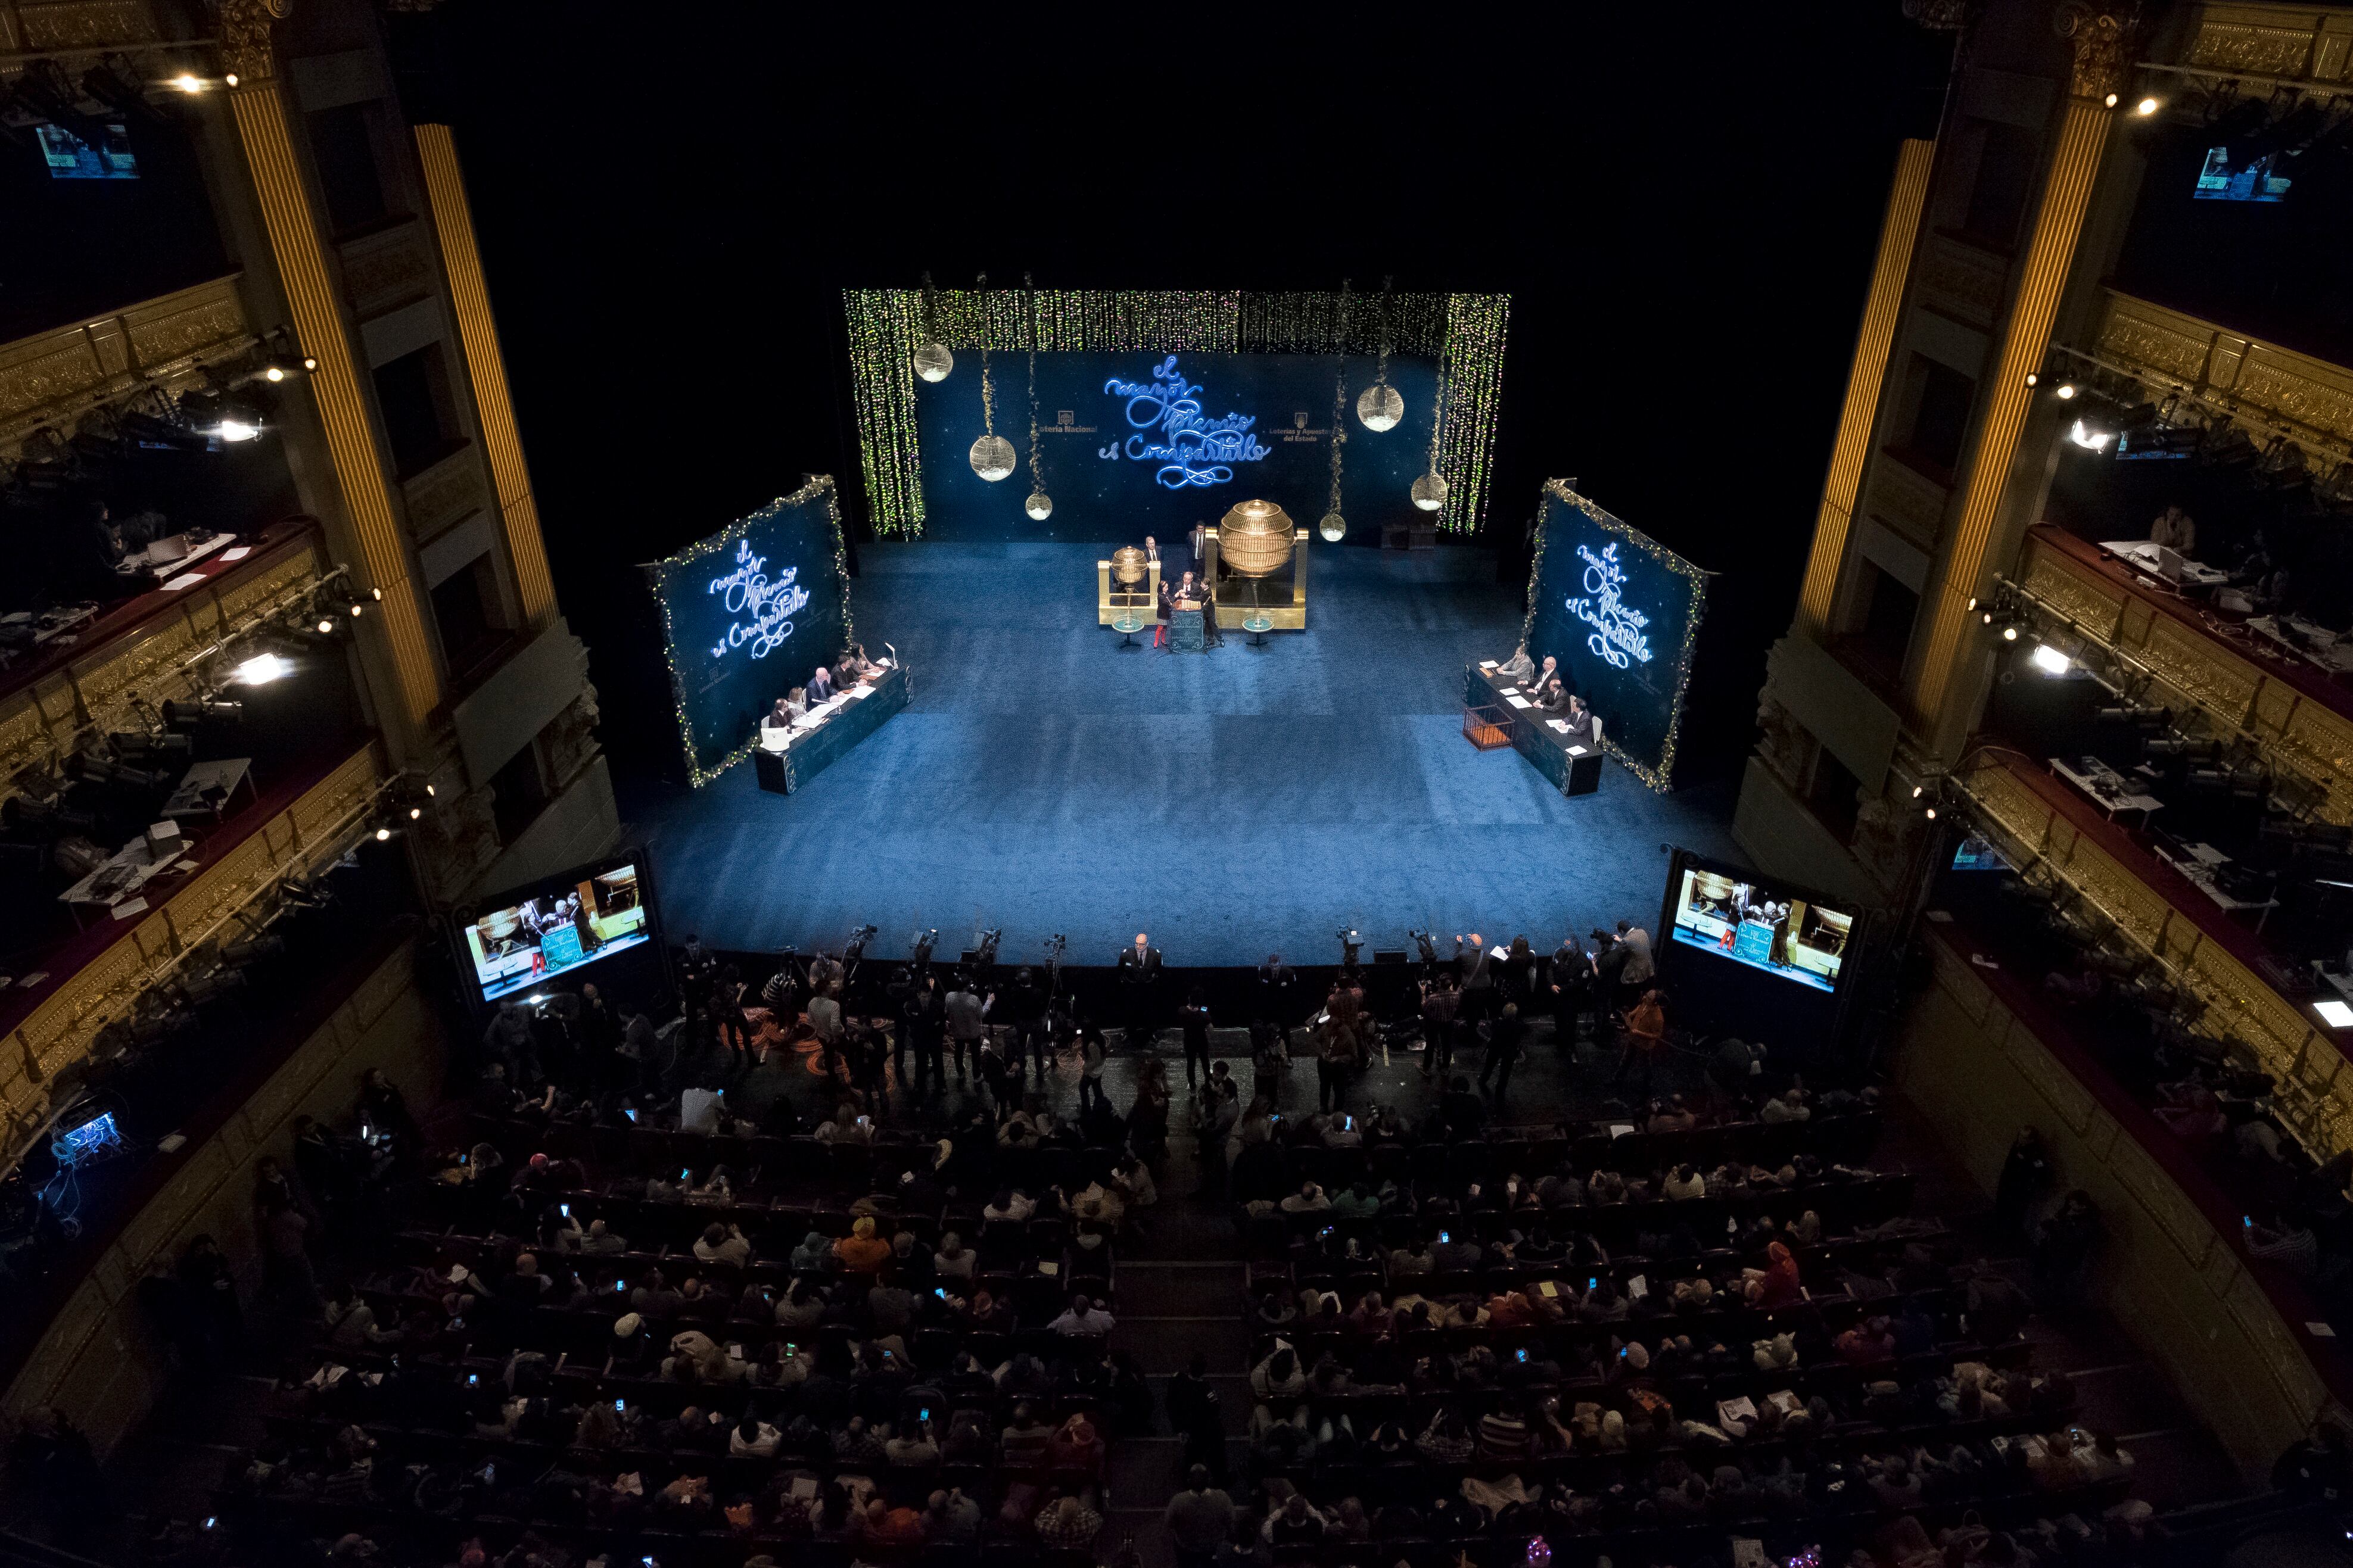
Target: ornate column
397, 631
1881, 308
453, 221
2099, 36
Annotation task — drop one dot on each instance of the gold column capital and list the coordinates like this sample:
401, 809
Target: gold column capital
247, 49
2099, 35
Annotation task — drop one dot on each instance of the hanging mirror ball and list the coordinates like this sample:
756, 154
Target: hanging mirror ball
1429, 490
932, 362
992, 457
1039, 506
1334, 528
1380, 408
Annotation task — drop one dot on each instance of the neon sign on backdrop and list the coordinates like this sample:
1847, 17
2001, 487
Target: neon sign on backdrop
764, 609
1617, 635
1171, 430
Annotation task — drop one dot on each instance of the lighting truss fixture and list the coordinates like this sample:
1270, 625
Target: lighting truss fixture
2091, 440
2050, 660
2334, 1014
2145, 107
2065, 390
262, 668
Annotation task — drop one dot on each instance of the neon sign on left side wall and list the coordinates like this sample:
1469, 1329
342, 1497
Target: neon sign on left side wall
764, 609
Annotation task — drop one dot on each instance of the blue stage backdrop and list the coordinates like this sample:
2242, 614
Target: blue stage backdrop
747, 614
1131, 444
1619, 610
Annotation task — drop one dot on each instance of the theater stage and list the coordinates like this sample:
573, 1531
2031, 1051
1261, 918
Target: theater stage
1232, 803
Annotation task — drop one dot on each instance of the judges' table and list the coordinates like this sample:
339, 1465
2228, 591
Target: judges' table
816, 743
1574, 770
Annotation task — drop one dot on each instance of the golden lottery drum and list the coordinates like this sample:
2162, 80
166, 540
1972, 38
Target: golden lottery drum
1254, 539
1127, 564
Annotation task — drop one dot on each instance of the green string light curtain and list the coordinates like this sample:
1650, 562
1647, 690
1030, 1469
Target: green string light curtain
1462, 332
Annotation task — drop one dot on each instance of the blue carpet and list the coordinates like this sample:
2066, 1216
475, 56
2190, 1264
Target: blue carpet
1232, 803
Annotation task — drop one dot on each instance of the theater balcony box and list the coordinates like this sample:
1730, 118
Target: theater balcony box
1984, 1048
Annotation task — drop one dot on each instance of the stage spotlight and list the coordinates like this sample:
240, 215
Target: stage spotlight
2110, 101
922, 943
1930, 814
2146, 106
190, 714
186, 83
2050, 660
2010, 634
2089, 438
1351, 944
326, 627
2138, 715
2065, 389
1919, 790
262, 668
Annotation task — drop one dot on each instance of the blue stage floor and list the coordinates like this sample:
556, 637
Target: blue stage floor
1231, 803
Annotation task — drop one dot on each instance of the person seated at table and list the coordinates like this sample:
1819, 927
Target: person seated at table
780, 716
2176, 531
1583, 728
1551, 694
857, 664
1517, 667
820, 685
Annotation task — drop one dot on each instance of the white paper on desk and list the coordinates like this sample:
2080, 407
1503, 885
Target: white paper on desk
1519, 702
129, 907
1486, 664
237, 552
1509, 691
185, 580
1576, 751
859, 693
2319, 1330
1560, 724
1620, 1128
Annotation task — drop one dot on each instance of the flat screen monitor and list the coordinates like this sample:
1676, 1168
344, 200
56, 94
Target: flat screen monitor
1764, 928
523, 943
2255, 178
71, 158
94, 1139
1974, 854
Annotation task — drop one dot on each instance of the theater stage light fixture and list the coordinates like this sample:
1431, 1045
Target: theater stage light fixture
2146, 106
262, 668
2050, 660
2063, 390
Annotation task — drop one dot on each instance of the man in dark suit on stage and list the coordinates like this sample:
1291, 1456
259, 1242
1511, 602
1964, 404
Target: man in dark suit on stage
1139, 979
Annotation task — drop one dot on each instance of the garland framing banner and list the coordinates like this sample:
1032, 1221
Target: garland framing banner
1620, 610
747, 613
1462, 334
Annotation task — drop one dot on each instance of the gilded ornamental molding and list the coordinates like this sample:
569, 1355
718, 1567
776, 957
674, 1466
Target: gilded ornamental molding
2292, 42
51, 380
249, 50
2265, 387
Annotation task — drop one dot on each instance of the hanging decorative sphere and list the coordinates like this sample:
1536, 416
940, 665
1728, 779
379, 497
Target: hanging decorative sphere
1380, 408
1040, 505
932, 362
1429, 490
1334, 528
992, 457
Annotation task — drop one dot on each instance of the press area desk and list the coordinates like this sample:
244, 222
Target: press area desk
1532, 737
810, 749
